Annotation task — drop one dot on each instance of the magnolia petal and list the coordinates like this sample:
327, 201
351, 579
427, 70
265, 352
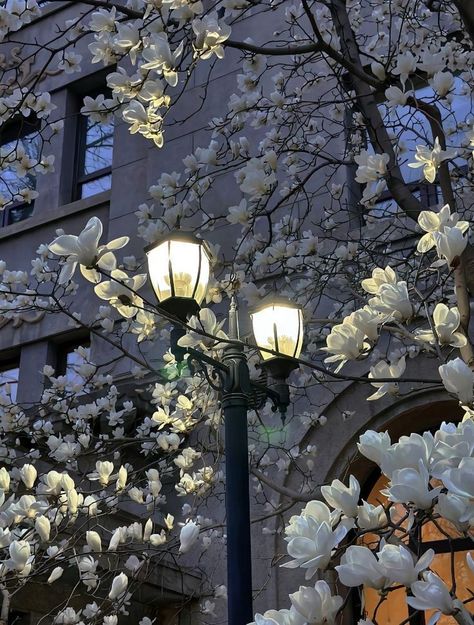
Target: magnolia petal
126, 311
65, 245
425, 560
117, 244
89, 237
67, 272
107, 262
104, 290
429, 171
458, 340
429, 221
426, 243
139, 281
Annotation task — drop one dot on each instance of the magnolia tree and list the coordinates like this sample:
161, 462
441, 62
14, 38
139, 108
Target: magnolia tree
349, 138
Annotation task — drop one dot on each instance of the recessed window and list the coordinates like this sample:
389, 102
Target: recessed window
73, 361
410, 128
94, 160
9, 374
20, 151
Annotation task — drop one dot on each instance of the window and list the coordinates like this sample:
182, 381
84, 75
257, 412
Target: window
21, 144
410, 127
442, 540
94, 159
73, 359
9, 374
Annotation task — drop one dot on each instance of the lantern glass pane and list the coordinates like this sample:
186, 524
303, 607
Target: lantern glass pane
280, 328
181, 264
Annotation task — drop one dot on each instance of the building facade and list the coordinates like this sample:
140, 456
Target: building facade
101, 170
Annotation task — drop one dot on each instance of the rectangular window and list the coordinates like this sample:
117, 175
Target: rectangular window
20, 150
94, 159
409, 127
9, 374
71, 358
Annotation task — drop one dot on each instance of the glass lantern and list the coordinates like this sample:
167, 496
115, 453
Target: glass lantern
179, 267
278, 325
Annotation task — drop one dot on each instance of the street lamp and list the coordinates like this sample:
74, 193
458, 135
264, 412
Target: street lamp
179, 269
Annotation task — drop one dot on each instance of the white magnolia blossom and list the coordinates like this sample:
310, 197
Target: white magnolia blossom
360, 566
345, 342
446, 322
412, 486
386, 370
408, 451
432, 222
206, 322
450, 243
86, 251
120, 292
379, 278
371, 167
210, 34
393, 300
460, 480
119, 586
188, 536
431, 593
311, 538
341, 497
373, 445
430, 160
458, 379
316, 605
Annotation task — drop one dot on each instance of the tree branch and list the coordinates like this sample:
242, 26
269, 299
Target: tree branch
286, 492
463, 302
376, 129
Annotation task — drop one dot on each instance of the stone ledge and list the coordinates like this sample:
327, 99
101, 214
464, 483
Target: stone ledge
49, 216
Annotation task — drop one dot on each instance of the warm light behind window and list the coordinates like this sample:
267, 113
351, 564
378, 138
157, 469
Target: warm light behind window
394, 609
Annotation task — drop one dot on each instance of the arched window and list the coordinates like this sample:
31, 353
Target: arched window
450, 547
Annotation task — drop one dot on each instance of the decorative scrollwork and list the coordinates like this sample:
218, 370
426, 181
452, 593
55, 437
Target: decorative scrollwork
214, 376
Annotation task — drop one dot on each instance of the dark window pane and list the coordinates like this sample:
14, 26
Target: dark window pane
18, 213
412, 128
97, 157
97, 131
73, 362
96, 186
13, 178
9, 381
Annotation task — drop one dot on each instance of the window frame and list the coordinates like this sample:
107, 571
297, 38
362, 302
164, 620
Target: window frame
80, 179
16, 130
67, 347
12, 362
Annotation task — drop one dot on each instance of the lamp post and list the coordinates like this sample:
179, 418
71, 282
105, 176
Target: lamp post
179, 270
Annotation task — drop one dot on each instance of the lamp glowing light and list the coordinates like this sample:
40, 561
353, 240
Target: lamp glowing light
179, 268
